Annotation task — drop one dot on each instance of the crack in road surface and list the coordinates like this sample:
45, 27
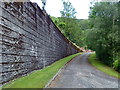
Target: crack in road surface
80, 74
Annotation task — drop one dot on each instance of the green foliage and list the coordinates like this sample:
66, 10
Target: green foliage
84, 24
116, 65
68, 10
104, 37
70, 27
74, 29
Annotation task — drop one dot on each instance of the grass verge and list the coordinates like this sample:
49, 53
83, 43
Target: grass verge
102, 67
38, 79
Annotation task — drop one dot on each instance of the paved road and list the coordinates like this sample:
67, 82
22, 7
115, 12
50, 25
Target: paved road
80, 74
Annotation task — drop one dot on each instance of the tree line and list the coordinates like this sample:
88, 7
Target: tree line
100, 32
104, 36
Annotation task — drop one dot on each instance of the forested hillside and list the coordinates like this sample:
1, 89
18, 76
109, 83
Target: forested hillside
100, 33
74, 29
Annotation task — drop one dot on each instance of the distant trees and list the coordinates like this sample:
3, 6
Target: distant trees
104, 37
84, 24
68, 24
101, 32
44, 3
68, 10
74, 29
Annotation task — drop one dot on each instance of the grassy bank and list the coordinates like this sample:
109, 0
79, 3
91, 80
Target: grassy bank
38, 79
102, 67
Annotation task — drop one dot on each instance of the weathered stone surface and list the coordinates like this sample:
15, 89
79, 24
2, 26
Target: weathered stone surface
29, 40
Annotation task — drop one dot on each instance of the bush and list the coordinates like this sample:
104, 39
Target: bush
116, 65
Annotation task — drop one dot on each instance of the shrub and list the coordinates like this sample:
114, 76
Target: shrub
116, 65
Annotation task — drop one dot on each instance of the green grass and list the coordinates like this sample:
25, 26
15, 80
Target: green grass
102, 67
38, 79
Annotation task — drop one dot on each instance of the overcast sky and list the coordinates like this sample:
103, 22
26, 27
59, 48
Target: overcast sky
53, 7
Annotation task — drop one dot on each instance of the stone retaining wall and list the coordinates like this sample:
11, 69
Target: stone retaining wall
29, 40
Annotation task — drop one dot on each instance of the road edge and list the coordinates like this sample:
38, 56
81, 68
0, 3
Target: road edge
60, 70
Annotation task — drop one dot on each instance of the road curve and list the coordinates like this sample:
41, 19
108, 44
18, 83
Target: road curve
80, 74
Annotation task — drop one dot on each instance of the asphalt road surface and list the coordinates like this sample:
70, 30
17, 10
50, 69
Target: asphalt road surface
79, 73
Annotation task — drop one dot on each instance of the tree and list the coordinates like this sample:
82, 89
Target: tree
69, 24
104, 37
71, 29
68, 10
44, 3
84, 24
